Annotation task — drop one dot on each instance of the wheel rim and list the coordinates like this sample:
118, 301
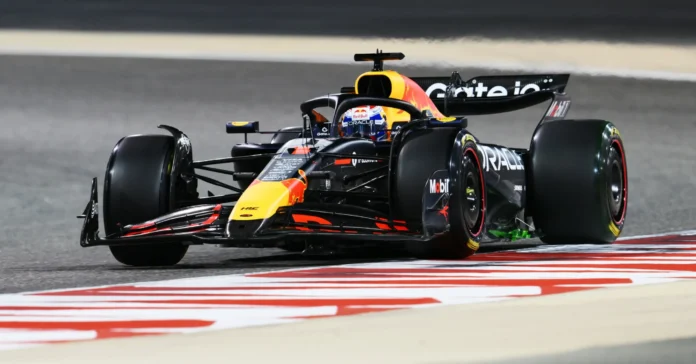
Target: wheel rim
472, 204
616, 184
615, 188
471, 193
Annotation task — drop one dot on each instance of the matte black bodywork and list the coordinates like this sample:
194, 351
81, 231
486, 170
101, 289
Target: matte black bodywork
349, 204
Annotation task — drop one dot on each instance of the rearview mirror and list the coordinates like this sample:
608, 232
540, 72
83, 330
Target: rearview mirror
242, 127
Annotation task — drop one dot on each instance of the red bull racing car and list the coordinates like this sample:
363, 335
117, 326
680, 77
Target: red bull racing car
395, 166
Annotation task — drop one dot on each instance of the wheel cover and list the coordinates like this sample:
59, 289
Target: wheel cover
471, 193
616, 183
473, 196
615, 188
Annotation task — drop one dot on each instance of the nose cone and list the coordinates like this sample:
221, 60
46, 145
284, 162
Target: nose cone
260, 201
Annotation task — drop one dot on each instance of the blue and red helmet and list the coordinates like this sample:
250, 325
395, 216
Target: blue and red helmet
364, 122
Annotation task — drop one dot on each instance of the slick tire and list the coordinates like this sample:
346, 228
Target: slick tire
577, 182
413, 169
136, 189
467, 206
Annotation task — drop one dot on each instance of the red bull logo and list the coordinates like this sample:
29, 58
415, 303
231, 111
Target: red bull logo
296, 188
415, 95
360, 114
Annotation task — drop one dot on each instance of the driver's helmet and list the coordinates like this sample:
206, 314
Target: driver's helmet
364, 122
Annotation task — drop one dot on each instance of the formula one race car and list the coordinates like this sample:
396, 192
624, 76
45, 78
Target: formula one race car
394, 167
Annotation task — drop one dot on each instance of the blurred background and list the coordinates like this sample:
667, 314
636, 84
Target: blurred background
672, 21
61, 116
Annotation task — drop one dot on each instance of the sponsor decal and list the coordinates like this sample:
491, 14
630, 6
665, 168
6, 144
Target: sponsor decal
365, 113
614, 229
472, 245
444, 212
500, 158
356, 161
439, 185
482, 90
396, 127
95, 210
357, 122
414, 95
322, 130
615, 131
360, 114
296, 189
185, 143
282, 167
250, 208
558, 109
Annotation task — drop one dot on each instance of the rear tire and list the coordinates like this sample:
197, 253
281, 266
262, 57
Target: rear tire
136, 189
577, 182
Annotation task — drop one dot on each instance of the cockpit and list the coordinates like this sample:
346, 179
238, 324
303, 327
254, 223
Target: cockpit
367, 121
364, 122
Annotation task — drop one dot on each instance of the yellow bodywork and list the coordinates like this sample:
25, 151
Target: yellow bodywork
405, 89
262, 199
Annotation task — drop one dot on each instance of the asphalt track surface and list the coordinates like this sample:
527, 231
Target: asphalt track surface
676, 351
672, 21
62, 116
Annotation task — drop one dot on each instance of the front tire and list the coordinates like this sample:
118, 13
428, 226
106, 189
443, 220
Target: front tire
467, 208
136, 189
578, 183
414, 167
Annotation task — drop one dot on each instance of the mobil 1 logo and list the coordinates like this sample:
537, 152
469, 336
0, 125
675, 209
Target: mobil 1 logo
500, 159
438, 185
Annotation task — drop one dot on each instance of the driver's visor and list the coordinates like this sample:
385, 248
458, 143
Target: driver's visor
361, 127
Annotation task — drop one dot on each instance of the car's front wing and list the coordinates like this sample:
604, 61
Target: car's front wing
205, 224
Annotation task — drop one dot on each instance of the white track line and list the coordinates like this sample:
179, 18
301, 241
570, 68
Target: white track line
645, 61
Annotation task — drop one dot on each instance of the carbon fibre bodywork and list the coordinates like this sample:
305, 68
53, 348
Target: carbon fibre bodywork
322, 189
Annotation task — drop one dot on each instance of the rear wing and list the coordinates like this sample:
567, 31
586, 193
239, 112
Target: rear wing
491, 94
